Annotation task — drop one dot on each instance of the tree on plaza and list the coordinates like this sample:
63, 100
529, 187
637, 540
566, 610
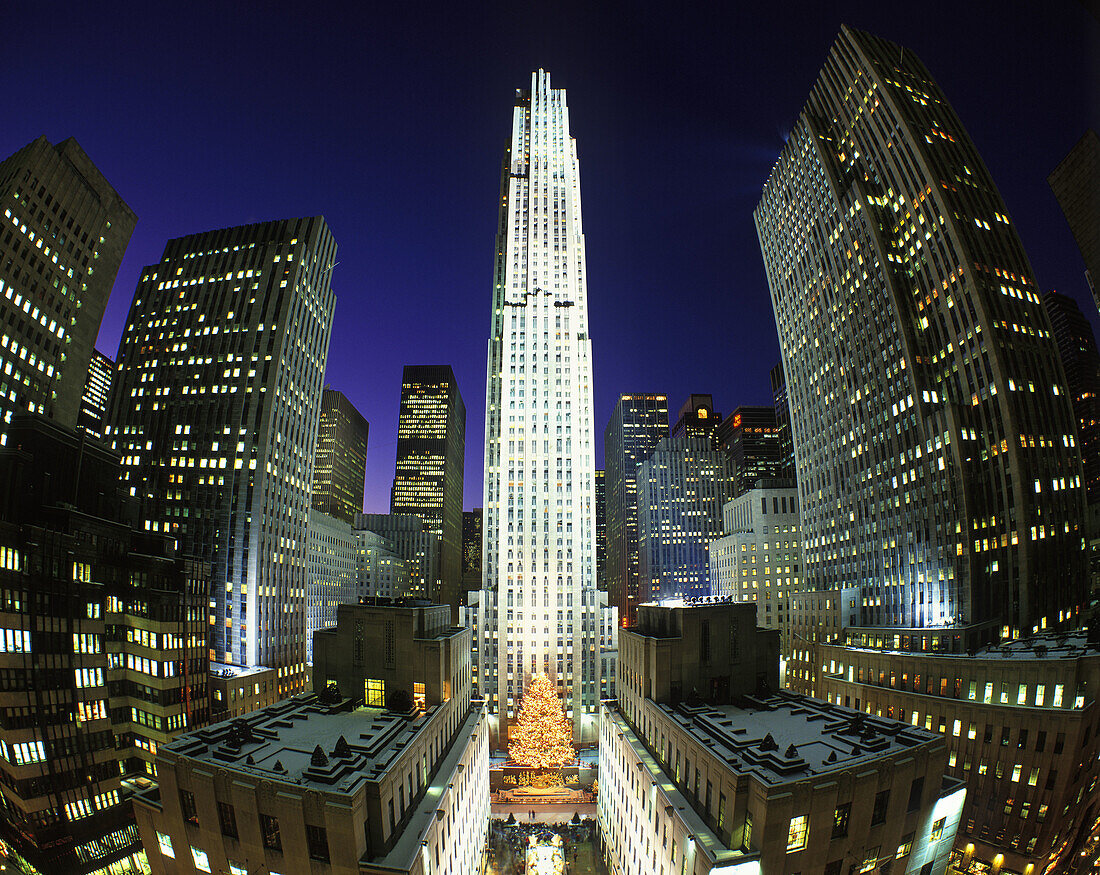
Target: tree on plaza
542, 736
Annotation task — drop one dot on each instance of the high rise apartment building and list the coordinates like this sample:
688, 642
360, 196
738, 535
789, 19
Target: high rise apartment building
97, 394
63, 233
638, 423
431, 446
340, 458
751, 440
1076, 184
215, 415
933, 430
538, 605
682, 488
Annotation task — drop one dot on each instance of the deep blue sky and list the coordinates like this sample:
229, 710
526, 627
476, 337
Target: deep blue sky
390, 120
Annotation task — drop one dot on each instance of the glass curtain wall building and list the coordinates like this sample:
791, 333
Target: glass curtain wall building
537, 610
938, 465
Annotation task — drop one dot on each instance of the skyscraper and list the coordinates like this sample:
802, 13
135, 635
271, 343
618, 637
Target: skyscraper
97, 393
697, 419
750, 439
783, 420
65, 232
215, 415
601, 528
932, 427
431, 447
638, 423
537, 610
471, 551
340, 459
1076, 184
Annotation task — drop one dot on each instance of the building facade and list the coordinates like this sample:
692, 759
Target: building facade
340, 458
380, 570
215, 415
783, 421
411, 538
103, 654
1076, 184
760, 559
384, 770
705, 767
431, 448
697, 419
1019, 721
97, 393
63, 233
539, 502
751, 439
472, 535
682, 488
932, 421
601, 528
638, 423
333, 572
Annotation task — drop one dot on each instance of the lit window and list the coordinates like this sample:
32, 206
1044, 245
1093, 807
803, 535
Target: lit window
796, 834
165, 844
202, 862
375, 693
937, 829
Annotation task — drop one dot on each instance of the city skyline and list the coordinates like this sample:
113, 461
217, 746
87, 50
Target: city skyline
727, 110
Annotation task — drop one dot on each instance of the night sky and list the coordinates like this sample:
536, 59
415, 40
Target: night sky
391, 120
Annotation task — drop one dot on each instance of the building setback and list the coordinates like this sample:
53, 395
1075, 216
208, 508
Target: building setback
540, 514
340, 459
103, 653
428, 477
682, 487
63, 233
705, 767
215, 415
638, 423
97, 392
932, 420
384, 770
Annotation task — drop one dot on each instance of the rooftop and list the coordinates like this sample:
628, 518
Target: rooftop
308, 742
1050, 645
787, 737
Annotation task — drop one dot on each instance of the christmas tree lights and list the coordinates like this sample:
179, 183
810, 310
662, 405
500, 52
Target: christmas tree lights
542, 736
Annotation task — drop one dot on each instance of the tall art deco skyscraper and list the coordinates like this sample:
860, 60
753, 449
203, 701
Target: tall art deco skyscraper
215, 414
938, 465
538, 606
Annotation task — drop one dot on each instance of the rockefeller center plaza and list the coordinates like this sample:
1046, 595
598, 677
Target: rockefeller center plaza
837, 614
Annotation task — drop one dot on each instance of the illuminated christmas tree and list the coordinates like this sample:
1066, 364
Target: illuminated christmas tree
542, 736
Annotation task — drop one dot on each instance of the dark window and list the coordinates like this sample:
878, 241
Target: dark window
269, 827
988, 733
1059, 742
228, 818
833, 868
1041, 741
187, 807
840, 820
317, 839
916, 791
1005, 734
878, 814
1021, 742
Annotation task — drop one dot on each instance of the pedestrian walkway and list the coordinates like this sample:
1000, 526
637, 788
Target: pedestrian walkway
543, 813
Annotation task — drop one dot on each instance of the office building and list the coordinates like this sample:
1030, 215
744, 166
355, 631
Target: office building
815, 617
431, 447
472, 533
380, 570
340, 459
697, 419
413, 540
932, 420
705, 766
384, 770
537, 607
783, 421
682, 488
215, 415
65, 230
333, 572
1076, 184
1019, 720
750, 438
1076, 344
760, 557
97, 392
638, 423
103, 653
